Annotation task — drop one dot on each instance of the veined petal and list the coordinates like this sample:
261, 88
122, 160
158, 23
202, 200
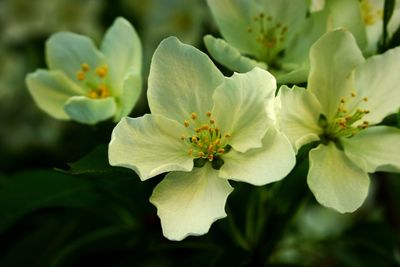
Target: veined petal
239, 107
332, 59
50, 90
131, 90
149, 145
335, 180
377, 146
123, 51
229, 56
234, 19
259, 166
182, 80
90, 111
189, 202
299, 46
298, 115
67, 51
378, 80
347, 14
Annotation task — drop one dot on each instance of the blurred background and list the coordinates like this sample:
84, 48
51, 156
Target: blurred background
62, 205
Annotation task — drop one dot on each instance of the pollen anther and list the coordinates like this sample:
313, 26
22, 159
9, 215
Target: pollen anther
85, 67
80, 75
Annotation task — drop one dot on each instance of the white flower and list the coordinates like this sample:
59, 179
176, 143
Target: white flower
346, 96
364, 18
88, 85
204, 129
270, 34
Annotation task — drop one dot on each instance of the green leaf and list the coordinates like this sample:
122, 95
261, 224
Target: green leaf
94, 163
29, 191
395, 41
387, 14
398, 119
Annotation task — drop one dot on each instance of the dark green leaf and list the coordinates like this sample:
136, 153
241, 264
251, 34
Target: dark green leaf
398, 119
29, 191
96, 160
395, 41
387, 14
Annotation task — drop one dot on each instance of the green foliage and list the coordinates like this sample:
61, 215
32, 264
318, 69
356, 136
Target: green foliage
29, 191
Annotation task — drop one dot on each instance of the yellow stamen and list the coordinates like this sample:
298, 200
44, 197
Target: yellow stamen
103, 90
205, 127
210, 148
80, 75
102, 71
85, 67
186, 123
194, 116
93, 94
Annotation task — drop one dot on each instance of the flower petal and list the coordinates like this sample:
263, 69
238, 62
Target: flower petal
149, 145
332, 59
67, 51
335, 180
239, 107
90, 111
229, 56
377, 146
233, 19
131, 90
299, 46
182, 80
378, 80
260, 166
50, 90
298, 115
347, 14
239, 25
189, 202
123, 51
298, 75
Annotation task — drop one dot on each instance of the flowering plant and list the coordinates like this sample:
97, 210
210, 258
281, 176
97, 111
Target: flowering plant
87, 85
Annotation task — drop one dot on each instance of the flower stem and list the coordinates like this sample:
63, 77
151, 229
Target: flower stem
288, 196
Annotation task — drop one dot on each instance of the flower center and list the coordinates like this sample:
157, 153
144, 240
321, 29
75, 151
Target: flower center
94, 80
205, 141
370, 13
269, 34
346, 123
